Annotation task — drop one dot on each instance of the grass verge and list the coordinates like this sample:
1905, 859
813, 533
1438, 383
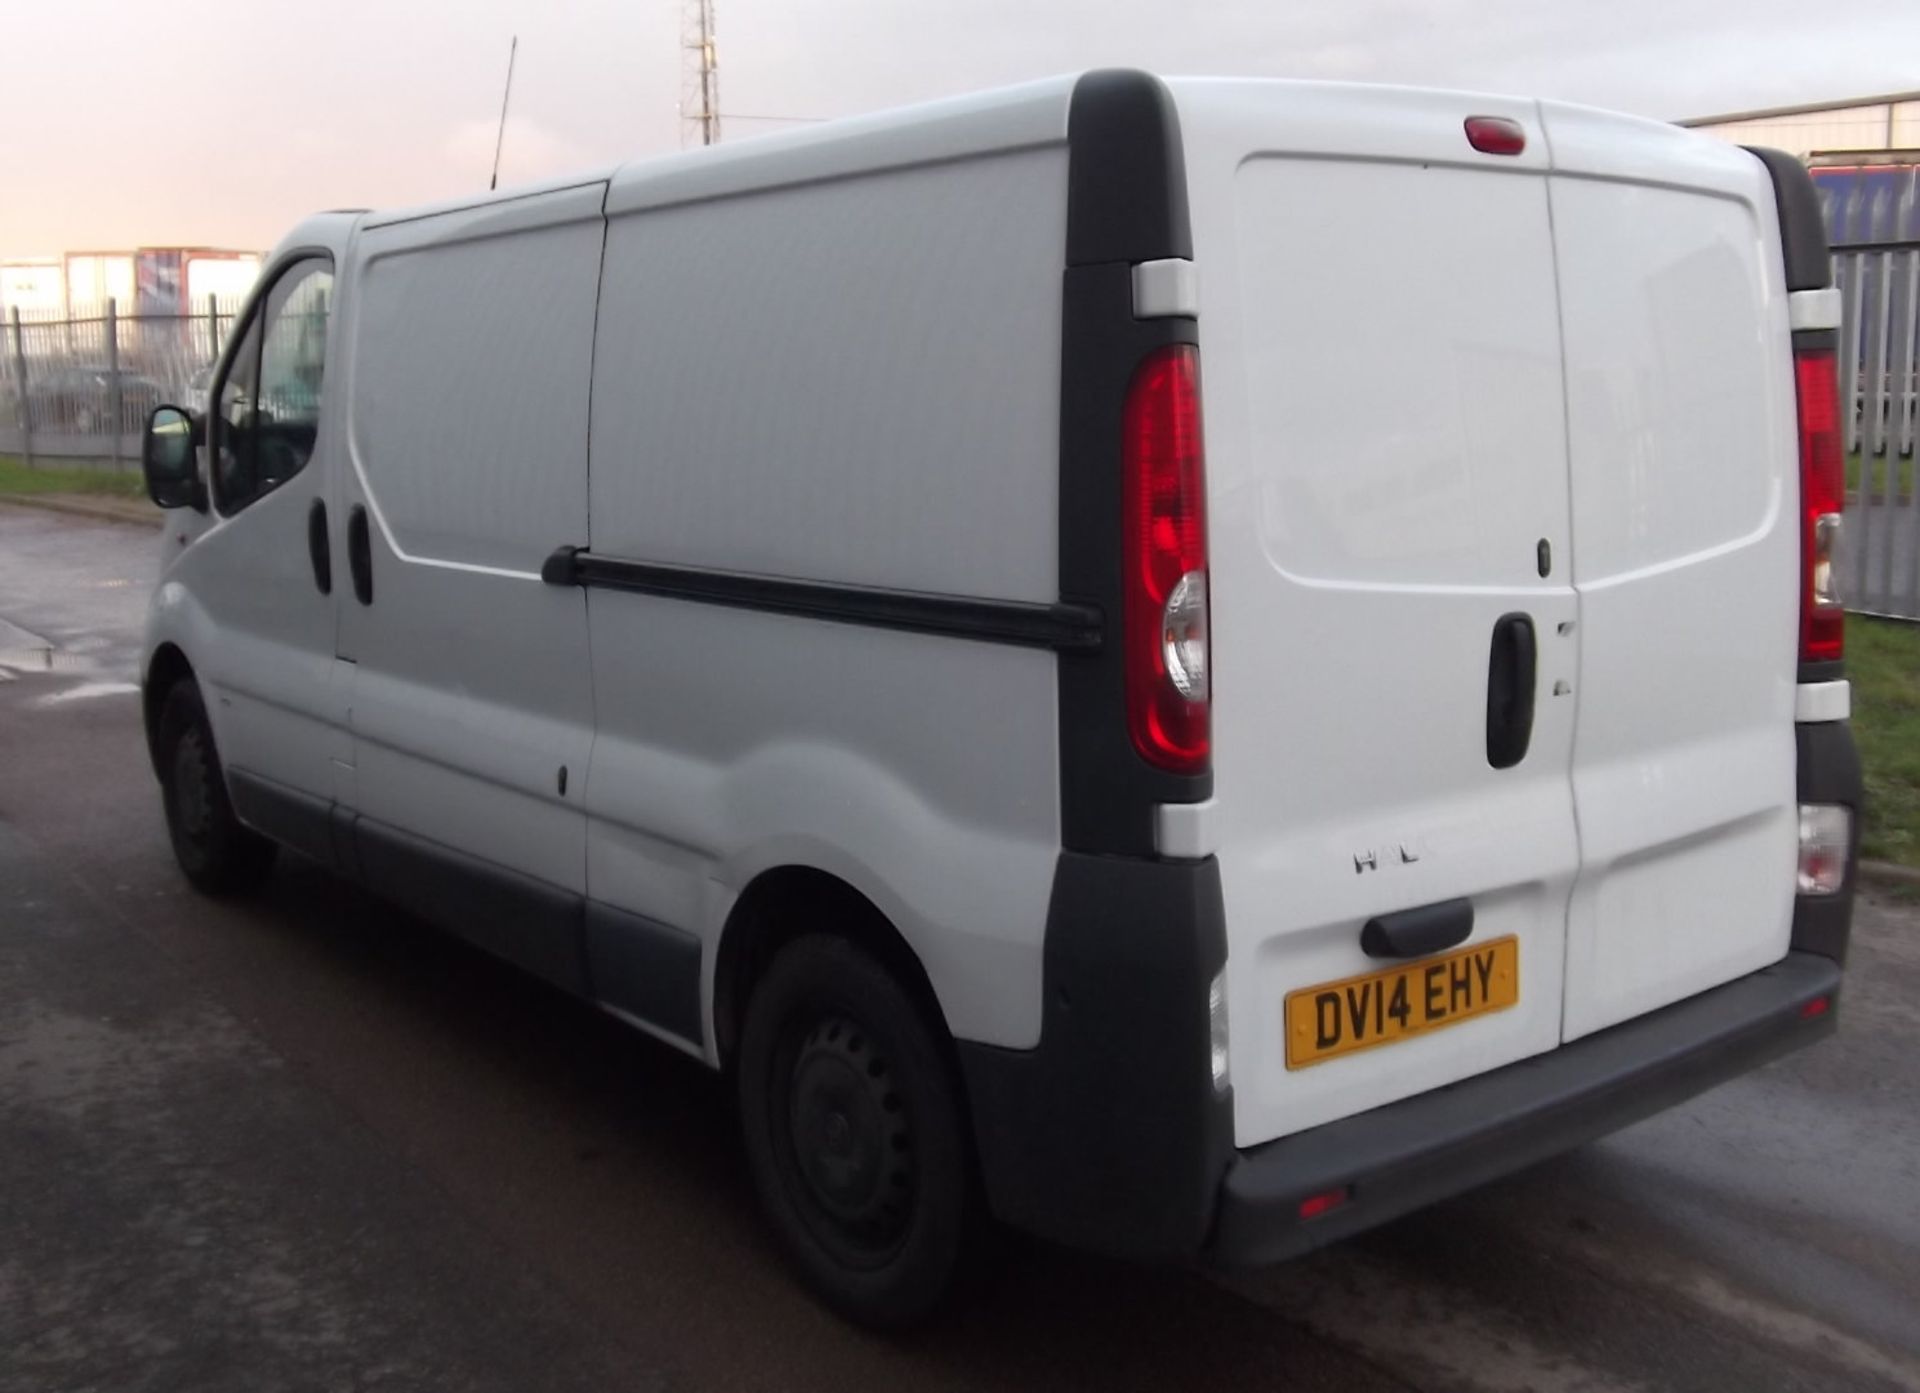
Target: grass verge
1883, 659
17, 479
1881, 470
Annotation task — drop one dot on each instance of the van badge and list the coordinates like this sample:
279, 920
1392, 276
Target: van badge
1399, 854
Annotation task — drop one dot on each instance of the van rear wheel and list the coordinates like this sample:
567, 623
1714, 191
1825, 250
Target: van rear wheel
855, 1133
218, 855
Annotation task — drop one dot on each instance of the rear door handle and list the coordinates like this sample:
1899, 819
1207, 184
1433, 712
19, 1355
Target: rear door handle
1413, 933
1511, 669
319, 548
360, 555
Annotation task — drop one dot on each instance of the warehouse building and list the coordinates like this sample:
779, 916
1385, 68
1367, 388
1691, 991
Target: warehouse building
1864, 154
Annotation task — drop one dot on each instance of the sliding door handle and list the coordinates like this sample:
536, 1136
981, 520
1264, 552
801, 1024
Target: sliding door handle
320, 547
360, 555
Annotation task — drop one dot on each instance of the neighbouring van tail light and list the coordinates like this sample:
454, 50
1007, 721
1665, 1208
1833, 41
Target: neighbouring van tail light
1167, 659
1826, 833
1822, 485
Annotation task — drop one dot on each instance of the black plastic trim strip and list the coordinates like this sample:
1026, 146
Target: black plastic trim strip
1803, 229
645, 968
1827, 770
1066, 628
514, 916
1400, 1157
1109, 1134
1126, 173
286, 815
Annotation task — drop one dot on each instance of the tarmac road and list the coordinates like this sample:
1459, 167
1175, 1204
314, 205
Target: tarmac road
303, 1142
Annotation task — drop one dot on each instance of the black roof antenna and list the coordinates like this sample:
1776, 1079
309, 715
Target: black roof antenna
505, 97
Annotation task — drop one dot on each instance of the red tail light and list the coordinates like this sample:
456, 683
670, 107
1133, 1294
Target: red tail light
1165, 545
1822, 490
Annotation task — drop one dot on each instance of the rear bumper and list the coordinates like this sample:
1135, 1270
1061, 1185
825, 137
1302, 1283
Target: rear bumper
1398, 1158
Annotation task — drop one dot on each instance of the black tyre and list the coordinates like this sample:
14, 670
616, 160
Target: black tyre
855, 1132
218, 854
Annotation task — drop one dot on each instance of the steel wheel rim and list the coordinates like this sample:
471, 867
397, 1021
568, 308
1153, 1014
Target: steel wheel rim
848, 1140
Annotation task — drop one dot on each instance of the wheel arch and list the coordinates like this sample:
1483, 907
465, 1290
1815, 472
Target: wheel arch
167, 667
786, 902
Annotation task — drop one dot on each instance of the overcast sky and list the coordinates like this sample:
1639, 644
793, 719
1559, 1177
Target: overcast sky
219, 122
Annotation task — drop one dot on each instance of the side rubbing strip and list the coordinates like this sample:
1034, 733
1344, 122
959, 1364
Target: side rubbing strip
648, 969
1062, 627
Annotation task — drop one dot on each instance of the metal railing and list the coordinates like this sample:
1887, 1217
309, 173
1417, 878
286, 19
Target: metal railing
80, 385
1879, 396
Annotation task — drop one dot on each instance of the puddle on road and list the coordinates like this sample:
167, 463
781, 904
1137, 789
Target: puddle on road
86, 691
46, 659
26, 654
19, 662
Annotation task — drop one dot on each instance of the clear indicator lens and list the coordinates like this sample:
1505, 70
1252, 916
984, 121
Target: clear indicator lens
1217, 1031
1183, 636
1826, 832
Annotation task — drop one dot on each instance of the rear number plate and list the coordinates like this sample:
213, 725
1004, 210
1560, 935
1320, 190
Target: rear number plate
1380, 1008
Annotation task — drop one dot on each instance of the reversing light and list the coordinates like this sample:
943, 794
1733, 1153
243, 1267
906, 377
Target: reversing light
1183, 636
1496, 135
1313, 1206
1826, 835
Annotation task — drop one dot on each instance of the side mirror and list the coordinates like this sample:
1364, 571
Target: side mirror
168, 460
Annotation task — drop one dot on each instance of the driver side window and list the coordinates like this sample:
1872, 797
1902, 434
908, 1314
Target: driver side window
267, 411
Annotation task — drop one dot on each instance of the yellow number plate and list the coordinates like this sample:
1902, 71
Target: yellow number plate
1379, 1008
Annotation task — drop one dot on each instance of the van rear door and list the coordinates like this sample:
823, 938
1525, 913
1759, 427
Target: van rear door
1681, 437
1389, 530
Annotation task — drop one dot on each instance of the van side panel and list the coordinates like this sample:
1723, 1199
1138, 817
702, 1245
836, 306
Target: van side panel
471, 334
852, 380
842, 381
1682, 453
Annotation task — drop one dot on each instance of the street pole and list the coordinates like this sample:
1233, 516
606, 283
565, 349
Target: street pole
22, 407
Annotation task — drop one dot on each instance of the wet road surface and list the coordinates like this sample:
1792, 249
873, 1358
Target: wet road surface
302, 1142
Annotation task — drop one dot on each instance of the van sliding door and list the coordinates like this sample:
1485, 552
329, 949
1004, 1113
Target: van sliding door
472, 342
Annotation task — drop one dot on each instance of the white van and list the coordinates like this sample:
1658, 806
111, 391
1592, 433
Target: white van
780, 593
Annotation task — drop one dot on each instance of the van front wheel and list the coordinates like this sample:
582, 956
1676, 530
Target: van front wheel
854, 1131
218, 855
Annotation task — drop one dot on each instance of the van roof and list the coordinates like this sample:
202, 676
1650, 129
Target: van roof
1032, 113
1028, 115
